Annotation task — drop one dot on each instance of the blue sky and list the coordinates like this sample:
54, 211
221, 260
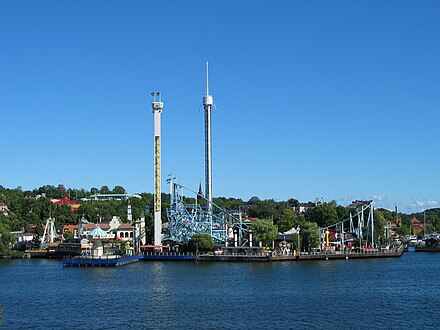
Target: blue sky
332, 99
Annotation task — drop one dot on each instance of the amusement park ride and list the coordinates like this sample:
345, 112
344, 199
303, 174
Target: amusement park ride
186, 220
356, 226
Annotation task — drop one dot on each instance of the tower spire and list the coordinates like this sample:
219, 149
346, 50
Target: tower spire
207, 78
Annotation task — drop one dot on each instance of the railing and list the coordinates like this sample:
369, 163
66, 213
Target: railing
169, 254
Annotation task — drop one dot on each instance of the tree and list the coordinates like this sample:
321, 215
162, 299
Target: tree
342, 212
119, 190
264, 231
104, 190
404, 230
202, 242
379, 227
6, 240
310, 236
324, 215
293, 202
68, 235
288, 220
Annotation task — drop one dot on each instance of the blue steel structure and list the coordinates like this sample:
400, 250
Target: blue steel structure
185, 220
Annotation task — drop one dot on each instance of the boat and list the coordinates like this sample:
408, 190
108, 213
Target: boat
431, 244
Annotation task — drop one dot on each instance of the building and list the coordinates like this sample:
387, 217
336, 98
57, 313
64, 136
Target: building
4, 209
111, 197
303, 207
72, 228
74, 206
417, 227
124, 232
114, 228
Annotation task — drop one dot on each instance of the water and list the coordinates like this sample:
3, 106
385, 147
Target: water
349, 294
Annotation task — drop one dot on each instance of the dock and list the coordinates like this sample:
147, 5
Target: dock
235, 257
168, 256
103, 261
353, 255
268, 257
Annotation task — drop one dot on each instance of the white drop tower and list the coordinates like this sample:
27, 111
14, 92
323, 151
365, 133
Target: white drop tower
208, 102
157, 105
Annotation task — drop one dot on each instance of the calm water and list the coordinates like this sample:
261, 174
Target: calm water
375, 293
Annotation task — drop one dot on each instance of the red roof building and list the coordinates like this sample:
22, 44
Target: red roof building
74, 206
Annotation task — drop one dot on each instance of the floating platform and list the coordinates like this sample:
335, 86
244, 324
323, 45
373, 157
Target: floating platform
104, 261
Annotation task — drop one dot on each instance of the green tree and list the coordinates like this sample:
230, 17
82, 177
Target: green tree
68, 235
119, 190
6, 240
288, 220
201, 242
342, 212
379, 227
264, 231
310, 236
104, 190
324, 215
404, 230
293, 202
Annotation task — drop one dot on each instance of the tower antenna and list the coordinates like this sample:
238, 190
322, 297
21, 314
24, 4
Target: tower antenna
207, 78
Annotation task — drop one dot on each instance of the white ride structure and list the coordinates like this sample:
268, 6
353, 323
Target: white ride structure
49, 232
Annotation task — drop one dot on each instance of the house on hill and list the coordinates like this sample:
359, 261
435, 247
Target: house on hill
417, 226
4, 209
74, 206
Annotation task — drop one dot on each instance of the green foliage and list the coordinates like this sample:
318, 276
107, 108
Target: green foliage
149, 227
310, 236
119, 190
105, 190
228, 203
288, 220
342, 212
292, 202
432, 217
324, 215
201, 242
6, 240
266, 209
380, 223
68, 235
404, 230
264, 231
430, 229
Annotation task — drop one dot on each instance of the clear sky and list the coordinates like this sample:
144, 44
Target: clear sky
332, 99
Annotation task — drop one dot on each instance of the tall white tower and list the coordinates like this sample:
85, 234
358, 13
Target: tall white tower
157, 111
207, 105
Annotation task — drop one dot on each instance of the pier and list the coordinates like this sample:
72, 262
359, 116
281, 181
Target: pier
103, 261
267, 257
168, 256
